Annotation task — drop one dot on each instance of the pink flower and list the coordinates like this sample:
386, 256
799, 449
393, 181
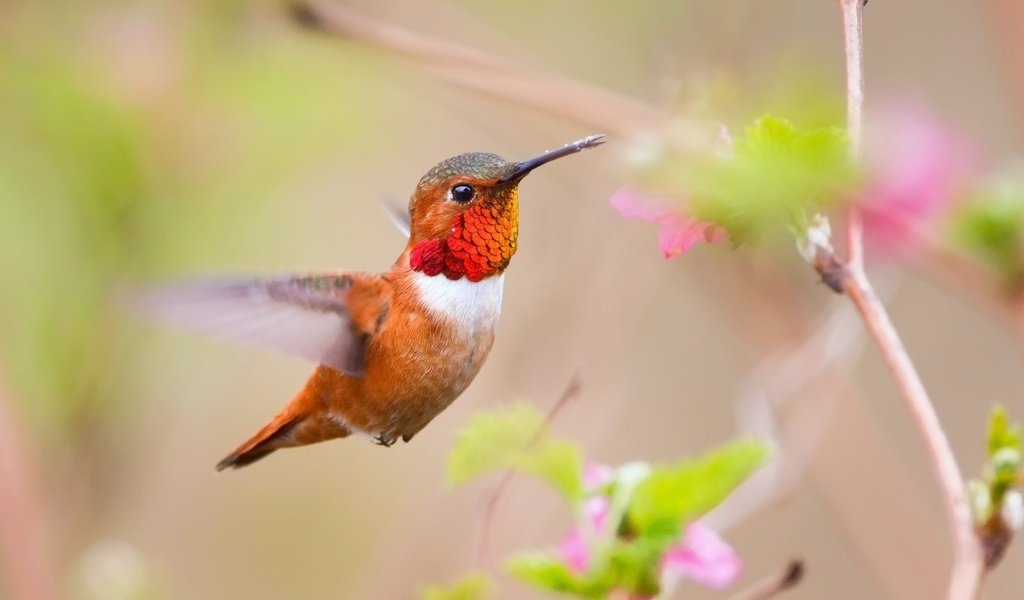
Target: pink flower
574, 549
914, 167
704, 557
701, 556
597, 475
678, 232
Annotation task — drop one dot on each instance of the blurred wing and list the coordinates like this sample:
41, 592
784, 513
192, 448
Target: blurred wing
399, 216
305, 316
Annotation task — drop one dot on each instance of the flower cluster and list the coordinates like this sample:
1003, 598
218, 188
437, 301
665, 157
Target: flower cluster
699, 554
912, 175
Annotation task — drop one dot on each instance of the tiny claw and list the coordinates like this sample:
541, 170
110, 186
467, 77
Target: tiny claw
383, 439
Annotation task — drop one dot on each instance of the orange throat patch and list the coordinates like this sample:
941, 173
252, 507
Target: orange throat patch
480, 243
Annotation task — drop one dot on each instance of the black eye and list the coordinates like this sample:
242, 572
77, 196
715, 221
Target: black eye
462, 193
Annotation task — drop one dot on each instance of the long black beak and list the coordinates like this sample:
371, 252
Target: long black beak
521, 169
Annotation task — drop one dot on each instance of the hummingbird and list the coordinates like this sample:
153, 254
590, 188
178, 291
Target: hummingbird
394, 349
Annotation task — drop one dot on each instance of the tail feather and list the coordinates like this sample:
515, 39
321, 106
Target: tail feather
272, 436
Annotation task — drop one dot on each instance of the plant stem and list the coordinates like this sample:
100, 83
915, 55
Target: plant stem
23, 543
853, 34
486, 74
967, 566
774, 585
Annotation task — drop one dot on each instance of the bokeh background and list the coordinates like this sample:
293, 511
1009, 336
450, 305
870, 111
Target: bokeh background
144, 141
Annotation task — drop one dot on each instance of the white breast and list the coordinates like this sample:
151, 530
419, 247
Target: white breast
473, 305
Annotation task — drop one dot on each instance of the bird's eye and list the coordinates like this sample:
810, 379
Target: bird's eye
461, 193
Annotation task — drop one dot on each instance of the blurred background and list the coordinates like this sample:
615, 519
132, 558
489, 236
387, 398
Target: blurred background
145, 141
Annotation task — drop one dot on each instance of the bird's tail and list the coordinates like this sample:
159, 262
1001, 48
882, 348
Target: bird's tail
303, 421
275, 434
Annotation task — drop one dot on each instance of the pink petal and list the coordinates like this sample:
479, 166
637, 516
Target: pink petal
704, 557
597, 475
596, 511
678, 233
915, 169
636, 204
574, 551
682, 233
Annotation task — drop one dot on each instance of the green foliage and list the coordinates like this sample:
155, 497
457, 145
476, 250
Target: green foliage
1001, 433
1002, 468
474, 586
648, 507
516, 438
1004, 450
672, 496
991, 226
629, 565
548, 571
775, 175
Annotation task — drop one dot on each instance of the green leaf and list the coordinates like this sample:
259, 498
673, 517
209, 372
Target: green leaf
776, 175
633, 566
557, 462
474, 586
1004, 456
991, 225
1002, 434
547, 571
672, 496
516, 438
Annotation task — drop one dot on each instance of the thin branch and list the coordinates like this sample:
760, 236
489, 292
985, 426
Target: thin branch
772, 586
487, 74
853, 35
572, 389
967, 566
23, 542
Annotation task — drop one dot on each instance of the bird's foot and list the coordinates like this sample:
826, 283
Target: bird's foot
384, 439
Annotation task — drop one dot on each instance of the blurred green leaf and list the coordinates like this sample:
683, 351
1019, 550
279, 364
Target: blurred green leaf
775, 175
557, 462
548, 571
620, 564
516, 438
991, 226
672, 496
1001, 433
1004, 456
633, 565
474, 586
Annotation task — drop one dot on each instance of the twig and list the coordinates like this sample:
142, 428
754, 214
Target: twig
772, 586
23, 541
853, 34
967, 564
572, 389
487, 74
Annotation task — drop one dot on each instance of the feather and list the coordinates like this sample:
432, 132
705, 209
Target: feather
306, 316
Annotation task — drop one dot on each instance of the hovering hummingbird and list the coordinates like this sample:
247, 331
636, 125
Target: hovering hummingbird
395, 349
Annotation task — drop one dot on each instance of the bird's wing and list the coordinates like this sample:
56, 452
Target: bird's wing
327, 318
399, 216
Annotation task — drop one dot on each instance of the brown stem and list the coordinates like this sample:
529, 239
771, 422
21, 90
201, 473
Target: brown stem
853, 36
491, 75
967, 564
23, 541
772, 586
